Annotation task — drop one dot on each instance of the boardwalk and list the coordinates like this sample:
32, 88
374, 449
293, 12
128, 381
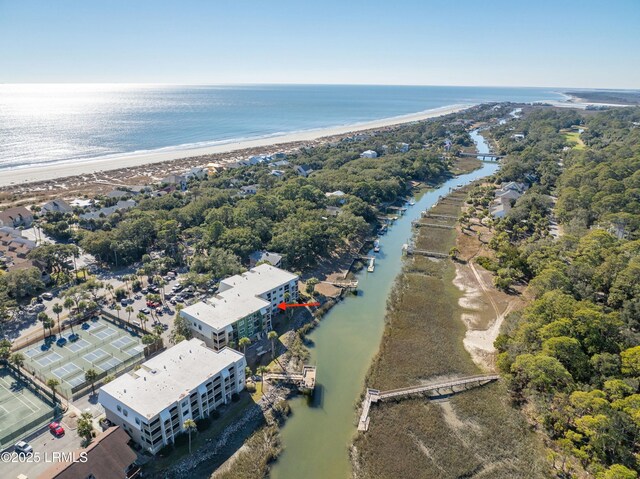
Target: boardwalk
437, 389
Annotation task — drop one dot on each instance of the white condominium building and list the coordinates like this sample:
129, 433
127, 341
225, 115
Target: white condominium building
187, 381
243, 306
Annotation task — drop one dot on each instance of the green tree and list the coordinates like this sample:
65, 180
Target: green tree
272, 336
618, 471
17, 359
90, 376
631, 361
189, 426
243, 343
85, 426
53, 384
57, 309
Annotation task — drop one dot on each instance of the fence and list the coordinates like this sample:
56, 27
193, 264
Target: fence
34, 424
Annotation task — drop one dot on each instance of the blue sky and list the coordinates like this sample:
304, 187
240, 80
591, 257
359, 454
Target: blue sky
561, 43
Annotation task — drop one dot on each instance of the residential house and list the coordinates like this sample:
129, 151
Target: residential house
196, 174
277, 173
15, 217
249, 189
187, 381
303, 170
505, 197
274, 259
107, 457
14, 249
56, 206
179, 181
279, 164
402, 147
369, 154
338, 195
108, 211
243, 306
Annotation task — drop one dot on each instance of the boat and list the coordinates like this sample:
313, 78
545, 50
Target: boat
376, 246
371, 267
412, 202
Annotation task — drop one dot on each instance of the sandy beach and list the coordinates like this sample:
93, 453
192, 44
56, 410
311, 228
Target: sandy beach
22, 176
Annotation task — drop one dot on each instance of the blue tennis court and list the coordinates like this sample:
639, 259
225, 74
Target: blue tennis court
108, 364
122, 342
68, 370
103, 333
48, 358
95, 356
78, 345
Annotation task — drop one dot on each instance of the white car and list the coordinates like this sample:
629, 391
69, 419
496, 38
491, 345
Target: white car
23, 447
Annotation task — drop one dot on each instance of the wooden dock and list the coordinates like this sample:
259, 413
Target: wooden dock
304, 381
418, 224
426, 214
409, 250
372, 265
438, 389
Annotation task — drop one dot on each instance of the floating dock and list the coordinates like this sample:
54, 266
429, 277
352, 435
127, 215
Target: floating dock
372, 266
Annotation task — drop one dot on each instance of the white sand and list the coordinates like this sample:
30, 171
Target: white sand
61, 170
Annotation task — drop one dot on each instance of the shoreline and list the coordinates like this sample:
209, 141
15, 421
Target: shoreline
36, 174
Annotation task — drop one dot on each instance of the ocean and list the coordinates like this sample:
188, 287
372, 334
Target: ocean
52, 123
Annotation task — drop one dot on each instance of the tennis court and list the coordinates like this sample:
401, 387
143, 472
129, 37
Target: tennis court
101, 345
22, 411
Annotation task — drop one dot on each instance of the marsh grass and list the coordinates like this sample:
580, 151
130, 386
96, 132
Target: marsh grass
474, 434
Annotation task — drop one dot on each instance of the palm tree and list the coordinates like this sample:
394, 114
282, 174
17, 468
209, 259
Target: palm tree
260, 372
143, 320
44, 319
90, 376
53, 384
243, 343
118, 308
111, 290
189, 426
272, 336
129, 309
17, 359
158, 330
57, 309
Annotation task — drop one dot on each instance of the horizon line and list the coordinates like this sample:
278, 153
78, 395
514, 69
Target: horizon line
312, 84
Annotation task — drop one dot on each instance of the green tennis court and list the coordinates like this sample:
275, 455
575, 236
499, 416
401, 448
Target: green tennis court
22, 411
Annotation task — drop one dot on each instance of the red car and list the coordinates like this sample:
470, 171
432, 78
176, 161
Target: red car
152, 304
57, 429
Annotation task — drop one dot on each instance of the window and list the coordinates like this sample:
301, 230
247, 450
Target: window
200, 327
119, 408
137, 421
125, 412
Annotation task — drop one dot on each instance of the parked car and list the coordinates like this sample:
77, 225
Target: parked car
23, 447
145, 311
144, 290
47, 296
56, 429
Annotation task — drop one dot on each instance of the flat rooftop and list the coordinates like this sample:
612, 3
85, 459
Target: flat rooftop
169, 377
239, 296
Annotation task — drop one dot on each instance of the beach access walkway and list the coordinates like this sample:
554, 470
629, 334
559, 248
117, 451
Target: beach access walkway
446, 388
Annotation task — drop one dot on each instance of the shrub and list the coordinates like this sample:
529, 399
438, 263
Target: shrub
235, 397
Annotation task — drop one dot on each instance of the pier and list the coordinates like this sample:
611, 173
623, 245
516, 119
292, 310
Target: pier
438, 389
410, 250
419, 224
304, 381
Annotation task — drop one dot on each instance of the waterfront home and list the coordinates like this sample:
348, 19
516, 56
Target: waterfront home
505, 197
303, 170
274, 259
279, 156
196, 173
15, 217
369, 154
108, 211
243, 306
279, 164
257, 159
187, 381
108, 456
179, 181
55, 206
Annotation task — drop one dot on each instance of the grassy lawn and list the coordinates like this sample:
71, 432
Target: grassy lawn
573, 137
155, 467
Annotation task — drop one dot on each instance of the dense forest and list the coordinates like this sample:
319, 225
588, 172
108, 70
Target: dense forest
572, 356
